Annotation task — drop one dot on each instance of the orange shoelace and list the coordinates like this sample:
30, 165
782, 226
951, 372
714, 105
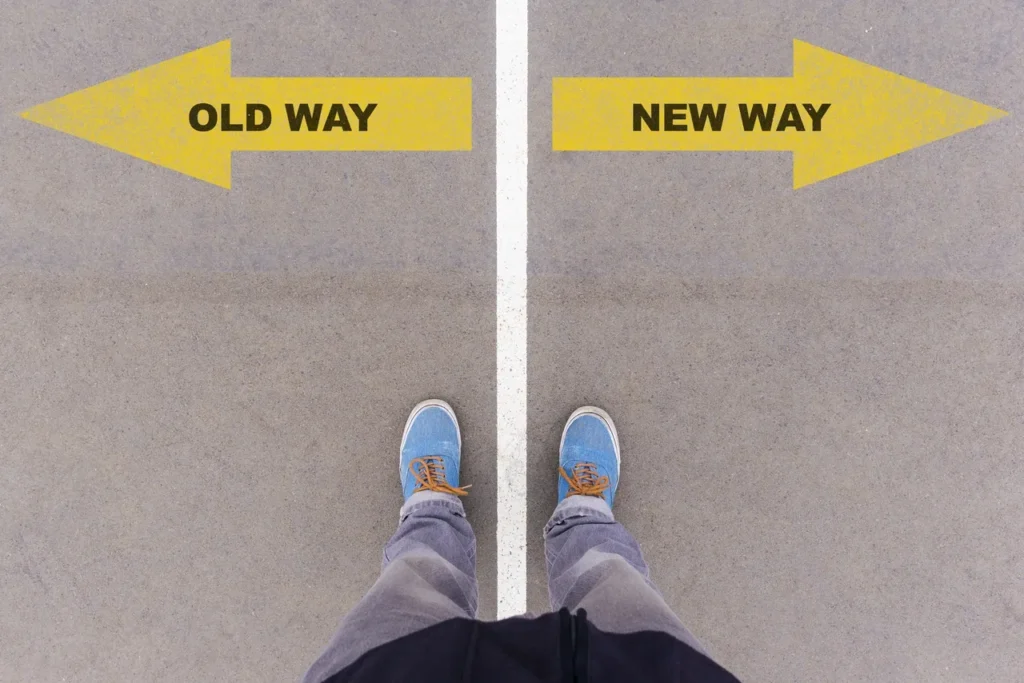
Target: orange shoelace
430, 476
584, 480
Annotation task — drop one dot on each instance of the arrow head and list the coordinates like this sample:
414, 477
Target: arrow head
146, 113
875, 114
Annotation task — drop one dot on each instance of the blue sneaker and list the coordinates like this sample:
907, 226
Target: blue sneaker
588, 457
431, 450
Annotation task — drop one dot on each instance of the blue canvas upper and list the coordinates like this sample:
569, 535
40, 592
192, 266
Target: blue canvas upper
432, 433
589, 445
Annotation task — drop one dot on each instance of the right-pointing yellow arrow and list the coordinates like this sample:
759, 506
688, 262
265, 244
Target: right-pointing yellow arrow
835, 114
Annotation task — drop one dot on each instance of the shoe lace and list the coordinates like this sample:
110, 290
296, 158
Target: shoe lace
585, 480
430, 476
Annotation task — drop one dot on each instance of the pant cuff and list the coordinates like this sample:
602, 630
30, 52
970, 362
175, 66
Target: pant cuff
428, 498
580, 506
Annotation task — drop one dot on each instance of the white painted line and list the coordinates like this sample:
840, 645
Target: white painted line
511, 115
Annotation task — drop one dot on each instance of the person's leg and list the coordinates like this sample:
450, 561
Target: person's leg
428, 574
592, 561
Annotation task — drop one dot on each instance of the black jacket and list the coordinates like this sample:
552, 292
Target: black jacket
554, 648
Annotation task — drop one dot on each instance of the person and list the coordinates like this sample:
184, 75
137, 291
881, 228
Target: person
418, 621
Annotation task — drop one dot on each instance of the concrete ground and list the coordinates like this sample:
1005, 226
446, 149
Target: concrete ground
819, 392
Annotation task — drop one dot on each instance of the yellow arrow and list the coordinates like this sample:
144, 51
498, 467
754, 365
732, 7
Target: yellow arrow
871, 114
159, 114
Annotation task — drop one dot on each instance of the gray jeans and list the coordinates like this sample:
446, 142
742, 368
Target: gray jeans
429, 575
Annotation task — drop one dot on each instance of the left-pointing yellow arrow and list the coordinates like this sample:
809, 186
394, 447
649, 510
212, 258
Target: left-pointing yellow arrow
189, 114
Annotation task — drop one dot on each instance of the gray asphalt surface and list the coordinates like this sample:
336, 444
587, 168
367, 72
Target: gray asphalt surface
819, 392
204, 390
